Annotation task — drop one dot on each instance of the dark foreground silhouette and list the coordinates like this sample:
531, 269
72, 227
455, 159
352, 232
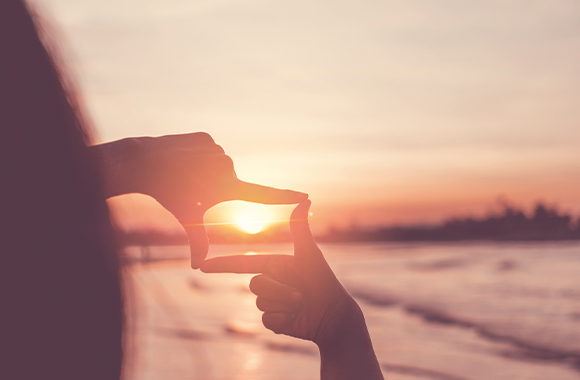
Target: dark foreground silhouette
61, 291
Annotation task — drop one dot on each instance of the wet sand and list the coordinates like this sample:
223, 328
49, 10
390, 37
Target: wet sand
445, 312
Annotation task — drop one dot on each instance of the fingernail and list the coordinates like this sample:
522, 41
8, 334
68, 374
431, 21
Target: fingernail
302, 195
295, 296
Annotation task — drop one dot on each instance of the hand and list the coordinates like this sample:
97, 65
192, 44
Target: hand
301, 297
187, 174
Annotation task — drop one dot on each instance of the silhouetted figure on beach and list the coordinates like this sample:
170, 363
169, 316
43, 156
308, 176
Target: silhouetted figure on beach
62, 311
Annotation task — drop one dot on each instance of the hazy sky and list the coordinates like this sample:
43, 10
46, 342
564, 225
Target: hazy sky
383, 111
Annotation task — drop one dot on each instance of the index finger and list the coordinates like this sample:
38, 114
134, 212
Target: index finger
252, 192
242, 263
198, 242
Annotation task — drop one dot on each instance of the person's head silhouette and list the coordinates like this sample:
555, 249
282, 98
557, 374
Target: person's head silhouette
61, 300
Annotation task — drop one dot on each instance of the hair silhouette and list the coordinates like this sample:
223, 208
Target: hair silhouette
60, 292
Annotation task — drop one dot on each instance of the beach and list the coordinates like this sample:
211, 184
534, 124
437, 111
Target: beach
463, 311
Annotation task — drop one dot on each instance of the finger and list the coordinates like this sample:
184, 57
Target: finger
221, 164
266, 287
196, 144
252, 192
278, 270
275, 321
198, 242
303, 239
195, 138
242, 263
270, 306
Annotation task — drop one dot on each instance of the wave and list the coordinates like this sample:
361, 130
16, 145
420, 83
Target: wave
421, 372
186, 334
290, 348
523, 349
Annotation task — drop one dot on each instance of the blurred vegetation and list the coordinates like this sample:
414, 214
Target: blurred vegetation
511, 224
544, 223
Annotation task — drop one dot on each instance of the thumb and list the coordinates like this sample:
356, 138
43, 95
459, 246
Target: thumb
304, 242
198, 242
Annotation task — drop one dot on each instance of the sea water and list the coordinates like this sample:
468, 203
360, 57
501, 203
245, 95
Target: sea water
469, 311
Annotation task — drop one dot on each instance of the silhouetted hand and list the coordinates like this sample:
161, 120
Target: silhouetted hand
187, 174
301, 297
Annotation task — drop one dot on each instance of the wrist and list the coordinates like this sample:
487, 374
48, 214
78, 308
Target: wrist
348, 324
346, 350
118, 163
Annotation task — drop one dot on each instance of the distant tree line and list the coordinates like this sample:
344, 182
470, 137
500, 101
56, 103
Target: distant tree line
511, 224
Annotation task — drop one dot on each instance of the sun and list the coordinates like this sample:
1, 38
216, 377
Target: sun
249, 225
250, 218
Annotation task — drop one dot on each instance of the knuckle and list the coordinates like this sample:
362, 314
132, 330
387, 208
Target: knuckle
204, 136
270, 324
266, 321
227, 161
255, 284
260, 304
223, 163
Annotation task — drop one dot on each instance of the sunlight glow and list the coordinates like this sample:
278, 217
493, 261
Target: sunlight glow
251, 218
248, 224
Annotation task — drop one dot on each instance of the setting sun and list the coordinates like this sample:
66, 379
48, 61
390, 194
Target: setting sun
251, 218
249, 225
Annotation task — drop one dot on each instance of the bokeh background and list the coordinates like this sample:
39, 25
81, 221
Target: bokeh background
385, 112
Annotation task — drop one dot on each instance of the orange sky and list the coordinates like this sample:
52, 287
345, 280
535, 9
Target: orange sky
384, 112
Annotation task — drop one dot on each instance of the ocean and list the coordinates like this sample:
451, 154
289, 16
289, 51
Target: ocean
465, 311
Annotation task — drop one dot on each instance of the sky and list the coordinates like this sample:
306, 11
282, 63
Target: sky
385, 112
